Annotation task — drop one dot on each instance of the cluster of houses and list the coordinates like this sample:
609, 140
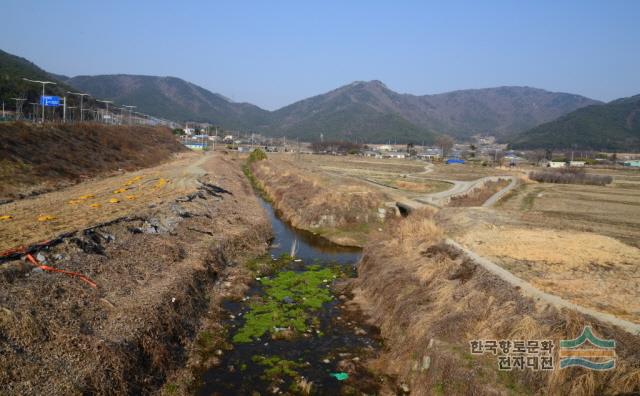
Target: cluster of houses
484, 150
399, 151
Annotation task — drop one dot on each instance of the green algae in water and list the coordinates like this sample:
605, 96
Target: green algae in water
277, 367
266, 265
289, 299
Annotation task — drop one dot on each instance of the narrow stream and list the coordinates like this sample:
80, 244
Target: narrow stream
324, 353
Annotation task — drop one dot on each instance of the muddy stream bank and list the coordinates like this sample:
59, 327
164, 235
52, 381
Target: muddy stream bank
290, 333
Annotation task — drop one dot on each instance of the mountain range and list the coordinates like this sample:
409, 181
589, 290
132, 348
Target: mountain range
363, 110
372, 110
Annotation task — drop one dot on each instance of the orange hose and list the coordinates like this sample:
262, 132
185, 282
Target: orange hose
69, 273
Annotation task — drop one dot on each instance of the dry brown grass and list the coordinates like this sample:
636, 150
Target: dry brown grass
467, 172
607, 210
478, 196
43, 157
430, 301
418, 232
59, 336
342, 212
588, 269
354, 164
90, 202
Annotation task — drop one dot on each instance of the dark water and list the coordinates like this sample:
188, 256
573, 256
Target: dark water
337, 348
310, 246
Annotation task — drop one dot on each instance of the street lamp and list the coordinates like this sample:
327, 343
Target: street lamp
43, 85
82, 95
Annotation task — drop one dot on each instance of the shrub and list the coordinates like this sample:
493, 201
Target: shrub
570, 176
256, 155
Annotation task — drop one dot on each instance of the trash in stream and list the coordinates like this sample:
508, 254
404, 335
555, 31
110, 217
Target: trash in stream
341, 376
283, 331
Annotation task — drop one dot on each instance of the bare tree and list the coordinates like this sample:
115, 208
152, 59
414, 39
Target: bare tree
536, 156
445, 143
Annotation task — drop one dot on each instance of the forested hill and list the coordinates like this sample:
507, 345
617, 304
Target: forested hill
611, 126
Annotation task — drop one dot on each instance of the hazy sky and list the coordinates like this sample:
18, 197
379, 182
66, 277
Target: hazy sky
272, 53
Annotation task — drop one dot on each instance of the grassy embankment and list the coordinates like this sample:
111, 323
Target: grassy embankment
155, 288
42, 158
430, 302
345, 213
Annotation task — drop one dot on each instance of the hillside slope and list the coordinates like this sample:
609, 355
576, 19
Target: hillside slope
611, 126
12, 71
365, 110
372, 111
171, 98
33, 156
501, 111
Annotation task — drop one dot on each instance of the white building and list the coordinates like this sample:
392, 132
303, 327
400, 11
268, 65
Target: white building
394, 154
553, 164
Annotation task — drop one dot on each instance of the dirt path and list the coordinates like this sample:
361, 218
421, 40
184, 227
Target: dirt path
441, 198
497, 196
531, 291
43, 217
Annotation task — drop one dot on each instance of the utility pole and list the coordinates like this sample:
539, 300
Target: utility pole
72, 108
130, 110
44, 83
64, 110
33, 112
106, 102
82, 95
19, 103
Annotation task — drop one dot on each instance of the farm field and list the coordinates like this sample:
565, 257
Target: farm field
580, 242
612, 210
36, 219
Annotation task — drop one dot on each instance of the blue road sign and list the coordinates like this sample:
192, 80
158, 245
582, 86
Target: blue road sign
50, 101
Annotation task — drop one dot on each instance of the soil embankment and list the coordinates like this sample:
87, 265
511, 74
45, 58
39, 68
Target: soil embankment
158, 271
343, 212
37, 158
430, 301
